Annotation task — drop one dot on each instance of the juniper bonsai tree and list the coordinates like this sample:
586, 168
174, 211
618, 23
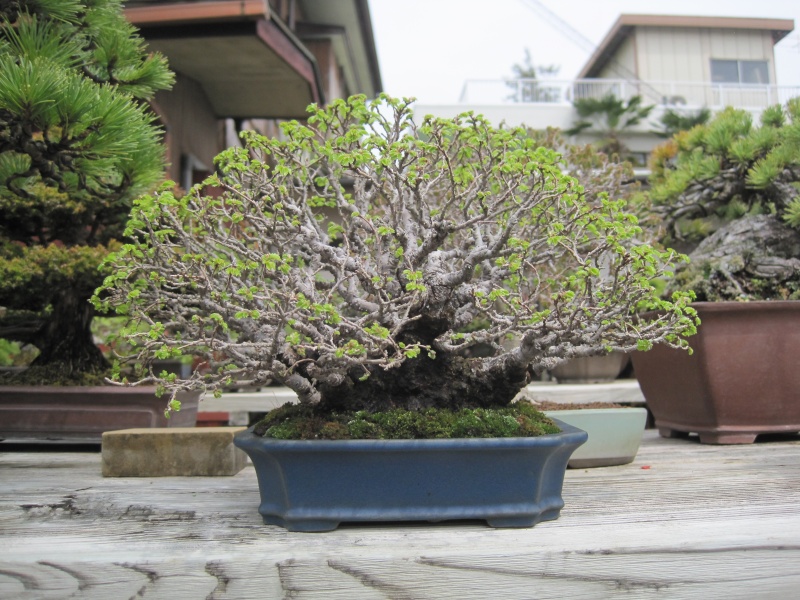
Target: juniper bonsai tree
348, 260
77, 144
729, 193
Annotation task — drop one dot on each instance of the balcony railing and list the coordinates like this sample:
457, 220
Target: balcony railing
665, 93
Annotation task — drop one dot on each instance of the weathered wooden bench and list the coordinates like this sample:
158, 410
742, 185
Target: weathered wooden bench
683, 521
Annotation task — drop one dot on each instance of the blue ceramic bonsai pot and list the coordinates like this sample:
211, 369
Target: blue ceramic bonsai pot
315, 485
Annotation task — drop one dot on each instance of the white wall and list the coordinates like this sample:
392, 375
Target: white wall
684, 54
624, 65
536, 116
542, 116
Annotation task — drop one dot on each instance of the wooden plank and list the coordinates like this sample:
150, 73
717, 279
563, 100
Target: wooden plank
683, 520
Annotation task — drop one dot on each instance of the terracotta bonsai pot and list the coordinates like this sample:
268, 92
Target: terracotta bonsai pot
742, 380
75, 413
591, 369
315, 485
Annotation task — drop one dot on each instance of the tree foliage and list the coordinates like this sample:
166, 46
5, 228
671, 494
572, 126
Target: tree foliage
77, 144
609, 116
351, 259
674, 121
596, 172
729, 191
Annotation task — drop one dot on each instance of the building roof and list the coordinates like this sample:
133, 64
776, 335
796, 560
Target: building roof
249, 62
622, 28
349, 27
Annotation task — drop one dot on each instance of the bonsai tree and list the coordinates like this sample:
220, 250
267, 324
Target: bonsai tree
609, 116
349, 259
77, 144
728, 193
673, 121
596, 172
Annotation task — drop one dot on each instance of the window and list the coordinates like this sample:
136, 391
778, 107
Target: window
739, 71
753, 71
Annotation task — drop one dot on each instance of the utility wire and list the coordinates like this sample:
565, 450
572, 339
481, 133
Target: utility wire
585, 43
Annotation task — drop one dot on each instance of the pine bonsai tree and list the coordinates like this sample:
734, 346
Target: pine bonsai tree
609, 116
77, 144
729, 193
673, 121
349, 260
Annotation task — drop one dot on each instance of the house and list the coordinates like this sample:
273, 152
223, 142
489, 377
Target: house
674, 62
247, 64
673, 59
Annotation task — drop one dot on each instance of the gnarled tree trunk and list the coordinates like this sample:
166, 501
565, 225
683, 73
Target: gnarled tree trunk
65, 339
447, 381
753, 257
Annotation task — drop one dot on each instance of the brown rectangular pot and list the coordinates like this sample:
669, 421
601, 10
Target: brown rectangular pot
76, 413
742, 380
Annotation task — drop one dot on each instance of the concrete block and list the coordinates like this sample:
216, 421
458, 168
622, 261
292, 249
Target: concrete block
169, 452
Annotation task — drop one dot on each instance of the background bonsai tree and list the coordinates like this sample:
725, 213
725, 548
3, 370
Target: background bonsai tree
674, 121
596, 172
728, 193
346, 260
77, 144
609, 116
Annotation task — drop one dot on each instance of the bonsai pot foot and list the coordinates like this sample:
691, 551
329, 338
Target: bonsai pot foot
301, 525
709, 436
518, 522
719, 436
668, 432
727, 438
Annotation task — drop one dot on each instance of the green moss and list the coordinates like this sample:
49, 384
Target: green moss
299, 422
53, 375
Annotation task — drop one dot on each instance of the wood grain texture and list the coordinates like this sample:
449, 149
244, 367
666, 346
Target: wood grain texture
700, 522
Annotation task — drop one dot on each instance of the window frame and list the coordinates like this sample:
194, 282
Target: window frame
740, 63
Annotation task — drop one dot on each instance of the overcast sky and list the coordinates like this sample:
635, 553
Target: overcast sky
429, 48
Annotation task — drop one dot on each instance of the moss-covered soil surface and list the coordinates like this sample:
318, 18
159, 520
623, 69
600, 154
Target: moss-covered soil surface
300, 422
53, 375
